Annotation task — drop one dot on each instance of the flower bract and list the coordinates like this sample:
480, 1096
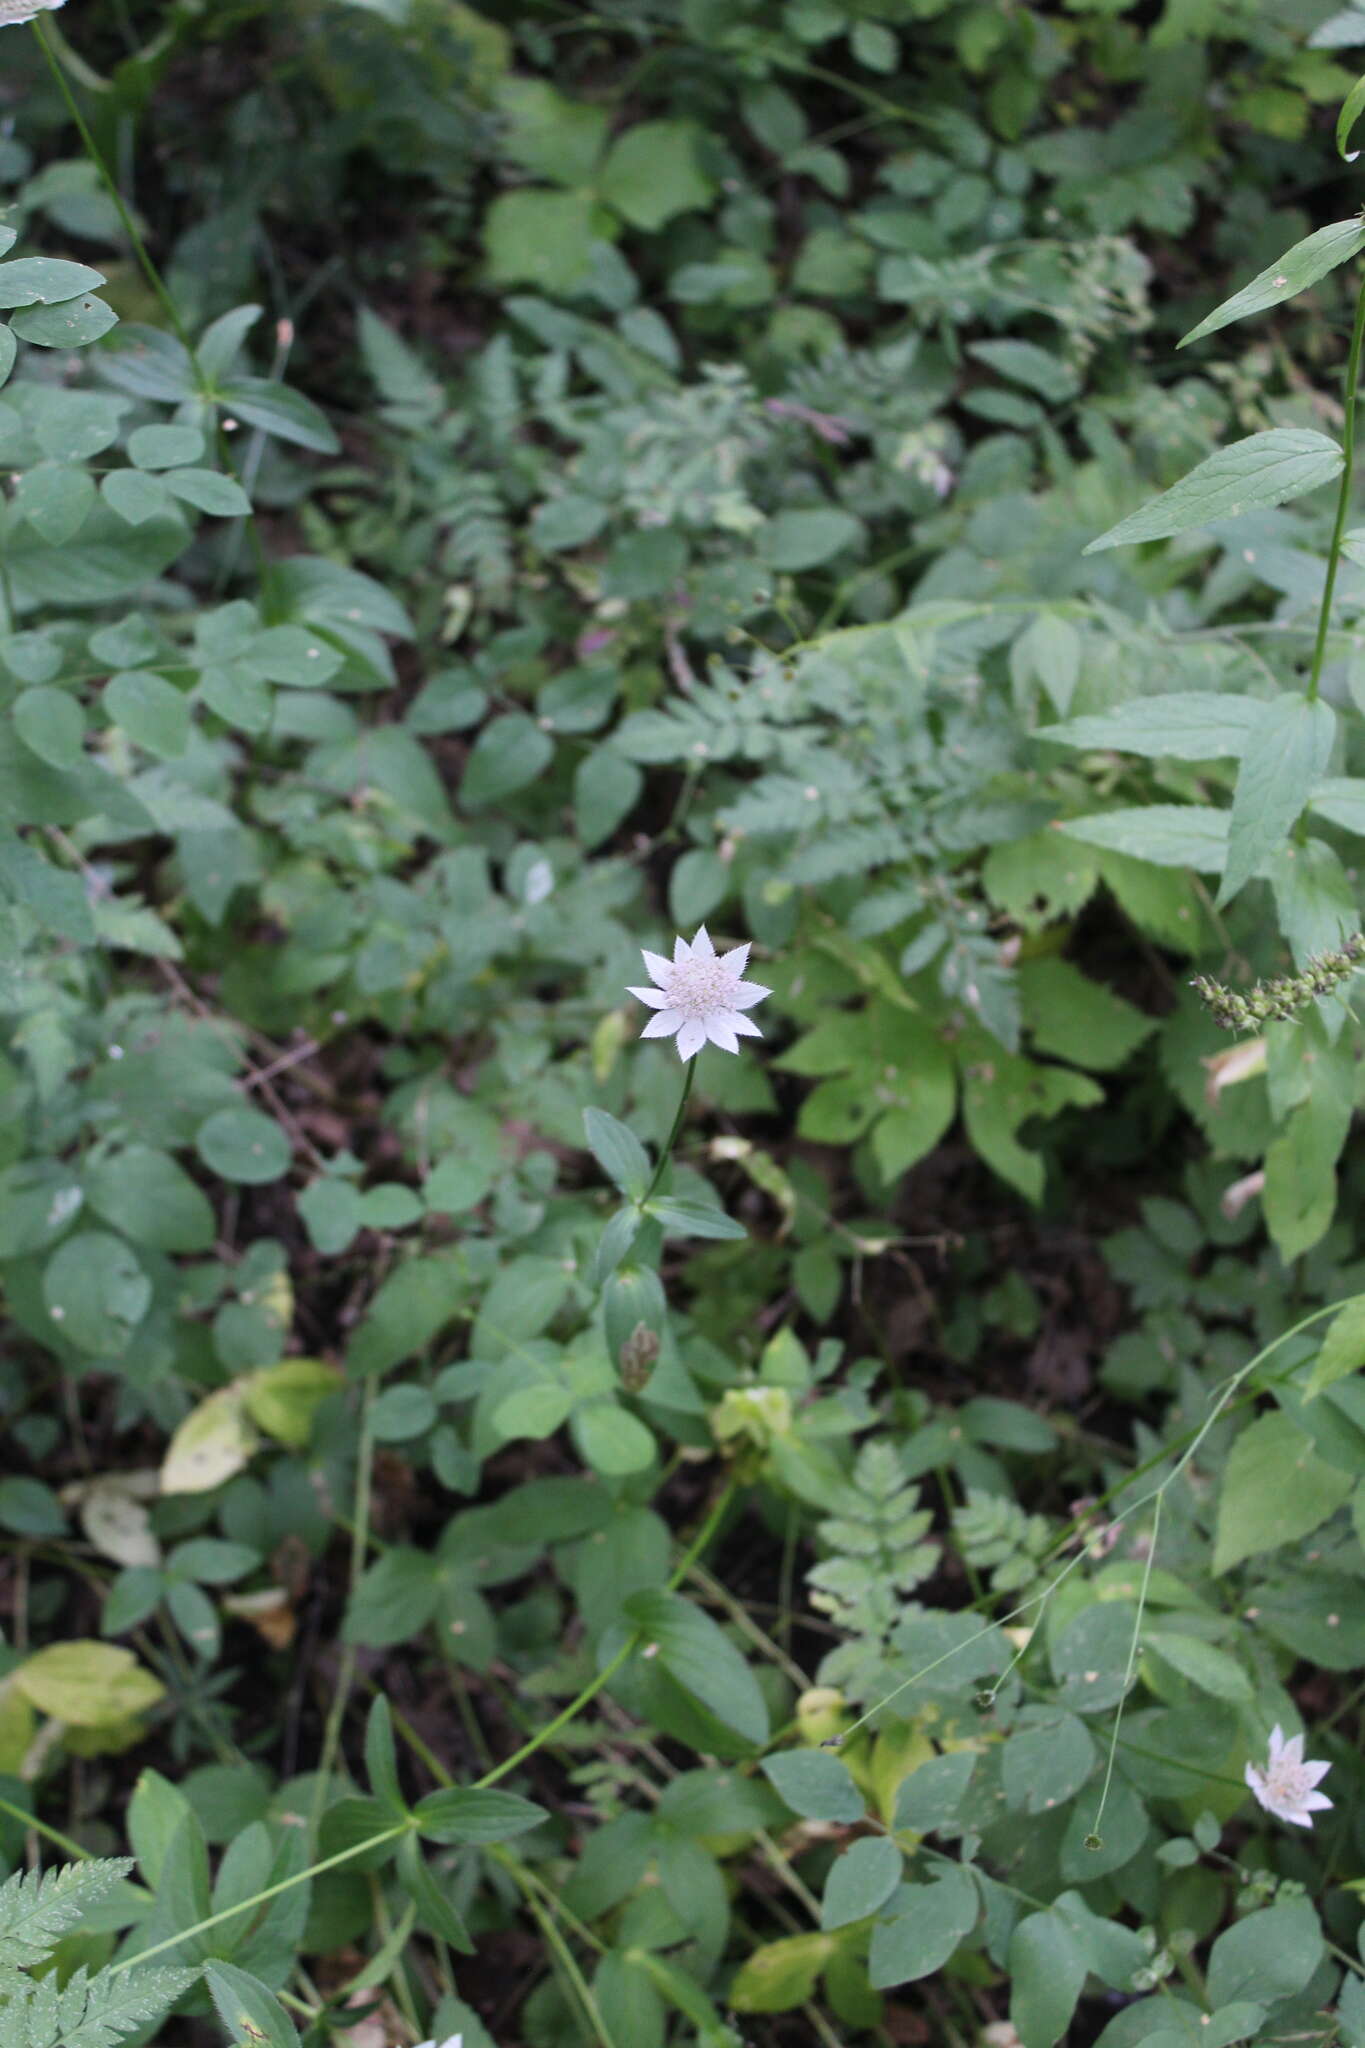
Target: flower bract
700, 995
1286, 1786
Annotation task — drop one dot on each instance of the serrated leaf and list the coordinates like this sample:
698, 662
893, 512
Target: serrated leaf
1265, 469
38, 1908
1183, 725
1282, 762
1170, 835
1275, 1489
1343, 1349
1299, 267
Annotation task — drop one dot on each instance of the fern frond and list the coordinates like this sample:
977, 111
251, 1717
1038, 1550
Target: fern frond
38, 1908
90, 2013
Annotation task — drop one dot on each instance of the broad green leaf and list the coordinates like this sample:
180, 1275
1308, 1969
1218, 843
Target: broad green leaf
1090, 1656
1204, 1664
151, 1199
693, 1219
1170, 835
548, 135
860, 1881
540, 237
28, 1508
72, 323
815, 1783
509, 753
96, 1292
50, 722
806, 536
1268, 1956
617, 1151
208, 490
1350, 113
1077, 1019
243, 1146
606, 789
1265, 469
164, 447
930, 1797
134, 498
1283, 761
1343, 1349
1275, 1489
703, 1660
652, 174
55, 500
929, 1923
1299, 267
611, 1440
283, 1399
278, 410
1047, 1974
250, 2011
434, 1908
395, 1598
88, 1684
469, 1813
1182, 725
106, 561
153, 713
44, 281
1045, 1761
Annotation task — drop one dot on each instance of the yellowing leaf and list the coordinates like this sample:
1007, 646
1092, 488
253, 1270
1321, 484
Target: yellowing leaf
212, 1444
87, 1684
283, 1399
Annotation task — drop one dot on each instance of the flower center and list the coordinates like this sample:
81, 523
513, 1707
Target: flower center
698, 988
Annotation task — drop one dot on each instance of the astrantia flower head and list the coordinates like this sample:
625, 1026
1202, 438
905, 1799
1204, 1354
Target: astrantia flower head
700, 995
1285, 1786
12, 12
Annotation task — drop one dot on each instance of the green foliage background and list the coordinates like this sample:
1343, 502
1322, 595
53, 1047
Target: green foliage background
561, 477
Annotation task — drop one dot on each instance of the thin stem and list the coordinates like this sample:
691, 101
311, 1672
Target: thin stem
336, 1712
130, 228
672, 1137
627, 1649
1094, 1835
1348, 449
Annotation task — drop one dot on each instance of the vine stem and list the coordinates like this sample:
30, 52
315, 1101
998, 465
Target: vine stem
672, 1137
1348, 449
130, 227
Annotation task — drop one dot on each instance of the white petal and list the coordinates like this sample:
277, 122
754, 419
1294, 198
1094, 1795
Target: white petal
745, 1026
737, 959
1292, 1752
660, 970
657, 998
1256, 1782
702, 949
745, 994
1296, 1819
1276, 1743
721, 1032
662, 1024
691, 1038
1313, 1774
1315, 1802
681, 951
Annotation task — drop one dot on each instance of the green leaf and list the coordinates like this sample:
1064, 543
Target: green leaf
610, 1440
135, 498
1275, 1490
1206, 1666
381, 1758
153, 713
434, 1907
469, 1813
277, 410
652, 174
55, 500
808, 536
50, 722
618, 1152
930, 1921
540, 237
104, 563
1047, 1974
781, 1974
1299, 267
243, 1146
1181, 725
1343, 1348
1170, 835
1268, 1956
509, 753
1265, 469
28, 1508
548, 135
96, 1292
251, 2013
815, 1783
44, 281
703, 1660
72, 323
930, 1797
693, 1219
38, 1908
1090, 1656
208, 490
606, 789
1349, 115
164, 447
457, 1184
860, 1881
1284, 758
1078, 1019
151, 1199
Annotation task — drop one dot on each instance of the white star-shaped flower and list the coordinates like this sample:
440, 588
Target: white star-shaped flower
700, 995
1285, 1786
13, 12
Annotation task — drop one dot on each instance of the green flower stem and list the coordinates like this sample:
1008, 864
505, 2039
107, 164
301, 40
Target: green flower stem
130, 228
672, 1138
360, 1536
1348, 449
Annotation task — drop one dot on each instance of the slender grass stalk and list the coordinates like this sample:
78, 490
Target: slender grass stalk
1348, 449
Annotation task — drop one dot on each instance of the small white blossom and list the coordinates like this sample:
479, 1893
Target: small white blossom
452, 2041
700, 996
12, 12
1285, 1786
